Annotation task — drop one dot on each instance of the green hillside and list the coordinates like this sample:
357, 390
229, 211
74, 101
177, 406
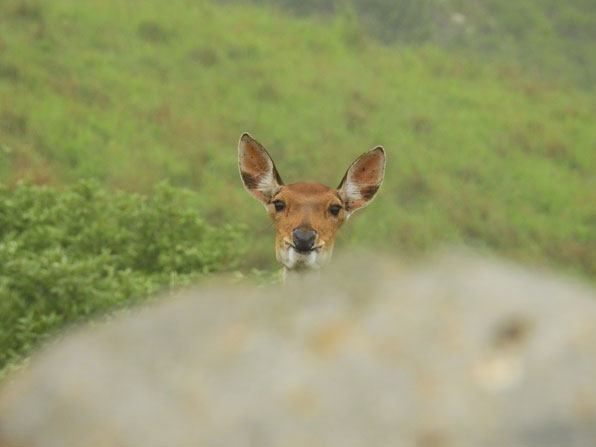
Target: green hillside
548, 38
132, 93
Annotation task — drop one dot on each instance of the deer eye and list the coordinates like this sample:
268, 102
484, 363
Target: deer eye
279, 205
334, 209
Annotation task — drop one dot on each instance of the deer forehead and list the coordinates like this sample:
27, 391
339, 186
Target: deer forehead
308, 194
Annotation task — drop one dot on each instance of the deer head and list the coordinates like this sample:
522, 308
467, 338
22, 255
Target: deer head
307, 215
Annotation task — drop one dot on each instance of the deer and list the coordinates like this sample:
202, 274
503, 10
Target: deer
307, 215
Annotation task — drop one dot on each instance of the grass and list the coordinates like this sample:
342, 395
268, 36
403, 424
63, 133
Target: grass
480, 154
549, 38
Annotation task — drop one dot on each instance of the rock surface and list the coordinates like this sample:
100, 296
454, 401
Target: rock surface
459, 352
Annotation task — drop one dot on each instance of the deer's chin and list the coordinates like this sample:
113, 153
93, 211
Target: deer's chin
297, 260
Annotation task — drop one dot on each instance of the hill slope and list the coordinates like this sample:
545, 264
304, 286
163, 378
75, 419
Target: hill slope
549, 38
135, 93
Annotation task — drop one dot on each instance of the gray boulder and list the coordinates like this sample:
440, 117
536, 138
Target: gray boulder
461, 351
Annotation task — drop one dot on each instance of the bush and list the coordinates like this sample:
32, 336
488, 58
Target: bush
68, 255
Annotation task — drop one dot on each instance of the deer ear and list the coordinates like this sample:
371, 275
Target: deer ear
363, 179
259, 175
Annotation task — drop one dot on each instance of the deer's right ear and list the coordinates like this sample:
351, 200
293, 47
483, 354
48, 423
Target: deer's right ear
259, 175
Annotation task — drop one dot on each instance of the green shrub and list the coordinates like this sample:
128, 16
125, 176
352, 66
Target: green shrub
68, 255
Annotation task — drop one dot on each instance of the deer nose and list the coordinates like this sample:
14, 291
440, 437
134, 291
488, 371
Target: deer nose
304, 240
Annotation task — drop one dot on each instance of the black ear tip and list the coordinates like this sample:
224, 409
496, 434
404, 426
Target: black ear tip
246, 137
380, 151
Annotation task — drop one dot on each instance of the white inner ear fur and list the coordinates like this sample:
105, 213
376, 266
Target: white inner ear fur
266, 182
352, 190
351, 193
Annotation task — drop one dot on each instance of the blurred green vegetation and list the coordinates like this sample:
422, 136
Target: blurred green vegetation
131, 94
68, 255
486, 110
549, 38
134, 93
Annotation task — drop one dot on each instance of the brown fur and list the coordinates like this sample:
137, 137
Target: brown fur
307, 207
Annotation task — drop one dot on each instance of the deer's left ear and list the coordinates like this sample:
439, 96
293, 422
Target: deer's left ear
363, 179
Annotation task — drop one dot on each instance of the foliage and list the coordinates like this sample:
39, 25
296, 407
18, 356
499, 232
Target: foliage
132, 93
553, 39
65, 256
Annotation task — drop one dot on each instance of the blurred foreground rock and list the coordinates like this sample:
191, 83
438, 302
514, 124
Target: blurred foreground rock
459, 352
